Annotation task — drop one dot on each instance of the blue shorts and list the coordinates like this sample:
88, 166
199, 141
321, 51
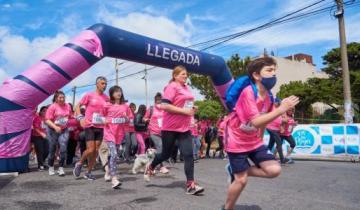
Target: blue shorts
239, 161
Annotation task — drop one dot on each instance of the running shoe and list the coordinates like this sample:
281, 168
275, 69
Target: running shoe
194, 189
89, 176
77, 170
228, 170
290, 161
61, 171
164, 170
51, 171
41, 168
107, 177
116, 183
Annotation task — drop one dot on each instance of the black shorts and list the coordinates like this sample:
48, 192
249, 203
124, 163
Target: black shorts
94, 134
239, 161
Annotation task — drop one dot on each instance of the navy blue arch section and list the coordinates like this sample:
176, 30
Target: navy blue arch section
30, 82
90, 58
58, 69
8, 136
118, 43
7, 105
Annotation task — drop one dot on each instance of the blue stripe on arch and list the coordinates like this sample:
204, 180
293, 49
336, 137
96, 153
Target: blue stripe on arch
30, 82
57, 68
90, 58
7, 105
6, 137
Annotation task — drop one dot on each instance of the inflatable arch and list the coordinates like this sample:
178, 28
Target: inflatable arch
20, 95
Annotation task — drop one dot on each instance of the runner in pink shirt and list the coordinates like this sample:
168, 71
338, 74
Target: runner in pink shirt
57, 117
178, 106
285, 133
244, 129
93, 122
130, 136
116, 114
155, 116
220, 138
195, 132
39, 138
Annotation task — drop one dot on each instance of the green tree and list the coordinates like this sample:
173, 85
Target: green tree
237, 67
209, 109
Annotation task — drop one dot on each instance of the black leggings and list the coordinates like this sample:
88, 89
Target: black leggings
186, 148
275, 138
71, 150
41, 148
290, 140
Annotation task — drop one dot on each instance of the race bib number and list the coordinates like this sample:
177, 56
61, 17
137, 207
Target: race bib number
189, 104
98, 119
119, 120
61, 121
160, 122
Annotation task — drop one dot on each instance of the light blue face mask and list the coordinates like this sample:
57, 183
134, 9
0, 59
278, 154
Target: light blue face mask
268, 82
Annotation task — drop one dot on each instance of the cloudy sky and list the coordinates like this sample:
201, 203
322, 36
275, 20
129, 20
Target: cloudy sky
29, 30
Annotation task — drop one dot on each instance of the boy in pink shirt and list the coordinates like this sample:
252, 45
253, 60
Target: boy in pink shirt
93, 122
244, 129
57, 117
115, 114
178, 106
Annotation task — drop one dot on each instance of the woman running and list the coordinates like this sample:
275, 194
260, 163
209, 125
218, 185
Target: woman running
155, 117
178, 106
244, 129
93, 122
141, 126
57, 116
194, 128
116, 113
39, 138
130, 136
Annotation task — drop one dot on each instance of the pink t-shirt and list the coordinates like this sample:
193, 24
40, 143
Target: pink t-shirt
59, 114
180, 96
194, 127
39, 124
156, 120
116, 116
129, 127
94, 106
275, 124
241, 136
288, 127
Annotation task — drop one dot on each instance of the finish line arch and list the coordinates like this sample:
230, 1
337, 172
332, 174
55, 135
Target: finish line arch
20, 95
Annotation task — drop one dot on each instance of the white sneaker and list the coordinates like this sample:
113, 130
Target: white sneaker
107, 177
51, 171
61, 171
164, 170
115, 183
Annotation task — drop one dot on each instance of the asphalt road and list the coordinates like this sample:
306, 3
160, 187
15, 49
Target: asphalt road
303, 185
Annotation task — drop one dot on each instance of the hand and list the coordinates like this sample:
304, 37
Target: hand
289, 103
43, 135
57, 129
189, 112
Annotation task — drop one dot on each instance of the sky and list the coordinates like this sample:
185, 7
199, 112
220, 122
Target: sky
30, 30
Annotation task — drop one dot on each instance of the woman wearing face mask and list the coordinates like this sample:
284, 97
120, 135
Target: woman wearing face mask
57, 116
178, 106
245, 128
155, 117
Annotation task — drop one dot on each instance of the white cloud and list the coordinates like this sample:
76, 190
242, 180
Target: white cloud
3, 75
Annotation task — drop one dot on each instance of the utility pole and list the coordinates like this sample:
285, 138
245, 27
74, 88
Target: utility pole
74, 93
348, 113
117, 64
146, 86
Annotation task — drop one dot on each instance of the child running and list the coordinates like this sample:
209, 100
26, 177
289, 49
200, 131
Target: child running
285, 132
115, 113
245, 126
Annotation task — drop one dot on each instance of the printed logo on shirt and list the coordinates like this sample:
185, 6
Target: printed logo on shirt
98, 119
62, 121
247, 127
